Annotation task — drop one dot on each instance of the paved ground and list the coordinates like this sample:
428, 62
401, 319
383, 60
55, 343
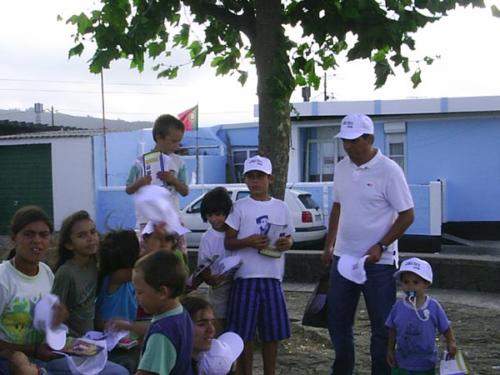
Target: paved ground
475, 317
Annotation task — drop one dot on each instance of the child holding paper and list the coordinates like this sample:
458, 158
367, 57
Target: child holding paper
414, 321
167, 134
24, 280
215, 206
257, 294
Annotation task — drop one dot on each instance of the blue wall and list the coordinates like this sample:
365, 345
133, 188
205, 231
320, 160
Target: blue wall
115, 209
465, 154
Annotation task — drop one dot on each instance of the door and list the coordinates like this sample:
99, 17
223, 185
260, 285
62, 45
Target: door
26, 175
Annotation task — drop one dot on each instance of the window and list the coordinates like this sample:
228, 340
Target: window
395, 142
239, 157
322, 155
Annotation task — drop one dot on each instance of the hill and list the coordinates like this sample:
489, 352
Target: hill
61, 119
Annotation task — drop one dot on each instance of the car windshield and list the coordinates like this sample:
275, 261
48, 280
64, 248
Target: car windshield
307, 201
242, 194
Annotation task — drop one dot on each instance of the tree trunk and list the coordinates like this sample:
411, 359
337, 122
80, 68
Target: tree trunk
274, 89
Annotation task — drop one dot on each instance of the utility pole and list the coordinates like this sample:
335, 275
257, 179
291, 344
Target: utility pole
52, 114
104, 132
325, 93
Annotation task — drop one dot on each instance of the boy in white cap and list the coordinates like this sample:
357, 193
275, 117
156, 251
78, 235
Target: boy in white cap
257, 298
413, 322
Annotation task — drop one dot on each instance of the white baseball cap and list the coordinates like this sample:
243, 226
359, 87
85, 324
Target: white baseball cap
222, 354
42, 321
355, 125
153, 203
418, 266
352, 268
258, 163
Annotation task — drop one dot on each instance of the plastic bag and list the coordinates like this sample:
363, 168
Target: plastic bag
316, 311
455, 366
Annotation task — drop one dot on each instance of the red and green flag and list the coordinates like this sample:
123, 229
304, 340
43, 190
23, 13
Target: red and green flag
189, 118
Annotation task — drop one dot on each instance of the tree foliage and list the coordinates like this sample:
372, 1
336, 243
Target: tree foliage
291, 43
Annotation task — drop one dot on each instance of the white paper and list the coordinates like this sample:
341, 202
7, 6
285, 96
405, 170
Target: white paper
155, 162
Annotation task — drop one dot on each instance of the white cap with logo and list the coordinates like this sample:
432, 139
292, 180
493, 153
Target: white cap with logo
355, 125
258, 163
417, 266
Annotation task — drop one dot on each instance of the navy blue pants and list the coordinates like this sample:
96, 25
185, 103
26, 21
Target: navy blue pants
379, 292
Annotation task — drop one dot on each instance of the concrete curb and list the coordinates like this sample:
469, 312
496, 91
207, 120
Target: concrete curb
479, 273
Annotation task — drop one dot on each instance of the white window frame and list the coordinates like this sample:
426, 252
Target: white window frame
338, 154
395, 132
249, 152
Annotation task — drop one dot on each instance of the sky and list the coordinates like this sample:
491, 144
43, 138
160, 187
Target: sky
34, 68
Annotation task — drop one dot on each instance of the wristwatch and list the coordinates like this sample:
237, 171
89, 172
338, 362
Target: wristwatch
382, 246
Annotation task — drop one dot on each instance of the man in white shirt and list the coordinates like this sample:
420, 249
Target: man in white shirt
372, 208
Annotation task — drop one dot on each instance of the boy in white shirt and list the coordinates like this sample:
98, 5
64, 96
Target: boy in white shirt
257, 298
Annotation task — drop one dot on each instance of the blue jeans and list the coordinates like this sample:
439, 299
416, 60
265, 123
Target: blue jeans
379, 292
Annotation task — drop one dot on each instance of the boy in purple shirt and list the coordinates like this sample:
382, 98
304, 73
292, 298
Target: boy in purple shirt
414, 321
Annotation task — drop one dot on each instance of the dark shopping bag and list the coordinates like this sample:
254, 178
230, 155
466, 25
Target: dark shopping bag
316, 311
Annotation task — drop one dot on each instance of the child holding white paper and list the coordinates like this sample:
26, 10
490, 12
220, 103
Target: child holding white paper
167, 134
257, 294
215, 206
24, 280
414, 321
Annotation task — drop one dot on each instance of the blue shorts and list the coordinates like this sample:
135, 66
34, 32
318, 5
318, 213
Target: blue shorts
258, 303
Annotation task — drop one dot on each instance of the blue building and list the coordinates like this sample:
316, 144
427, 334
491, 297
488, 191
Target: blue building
447, 148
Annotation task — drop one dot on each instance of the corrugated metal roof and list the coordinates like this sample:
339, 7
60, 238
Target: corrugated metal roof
56, 134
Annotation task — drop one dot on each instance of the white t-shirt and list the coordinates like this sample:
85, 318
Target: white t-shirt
19, 294
212, 243
370, 197
171, 162
250, 216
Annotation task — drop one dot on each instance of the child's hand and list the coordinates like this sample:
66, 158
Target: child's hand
452, 348
259, 241
115, 325
60, 314
391, 358
45, 353
167, 177
284, 243
143, 181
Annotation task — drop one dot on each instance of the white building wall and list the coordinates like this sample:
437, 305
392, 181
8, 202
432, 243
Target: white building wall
72, 177
72, 174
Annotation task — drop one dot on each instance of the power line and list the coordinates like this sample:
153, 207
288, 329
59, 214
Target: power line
85, 92
91, 82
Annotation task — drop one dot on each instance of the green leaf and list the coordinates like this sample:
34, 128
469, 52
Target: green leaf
382, 71
416, 79
199, 59
169, 73
243, 76
84, 23
182, 39
155, 49
495, 11
194, 49
76, 50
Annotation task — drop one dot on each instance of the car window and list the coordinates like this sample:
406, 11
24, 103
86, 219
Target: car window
307, 201
195, 208
242, 194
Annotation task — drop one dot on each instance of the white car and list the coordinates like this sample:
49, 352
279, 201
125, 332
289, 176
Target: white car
306, 216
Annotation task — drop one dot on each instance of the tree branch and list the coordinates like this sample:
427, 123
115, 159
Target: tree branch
245, 22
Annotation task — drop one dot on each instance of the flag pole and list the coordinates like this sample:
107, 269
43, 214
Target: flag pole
197, 149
